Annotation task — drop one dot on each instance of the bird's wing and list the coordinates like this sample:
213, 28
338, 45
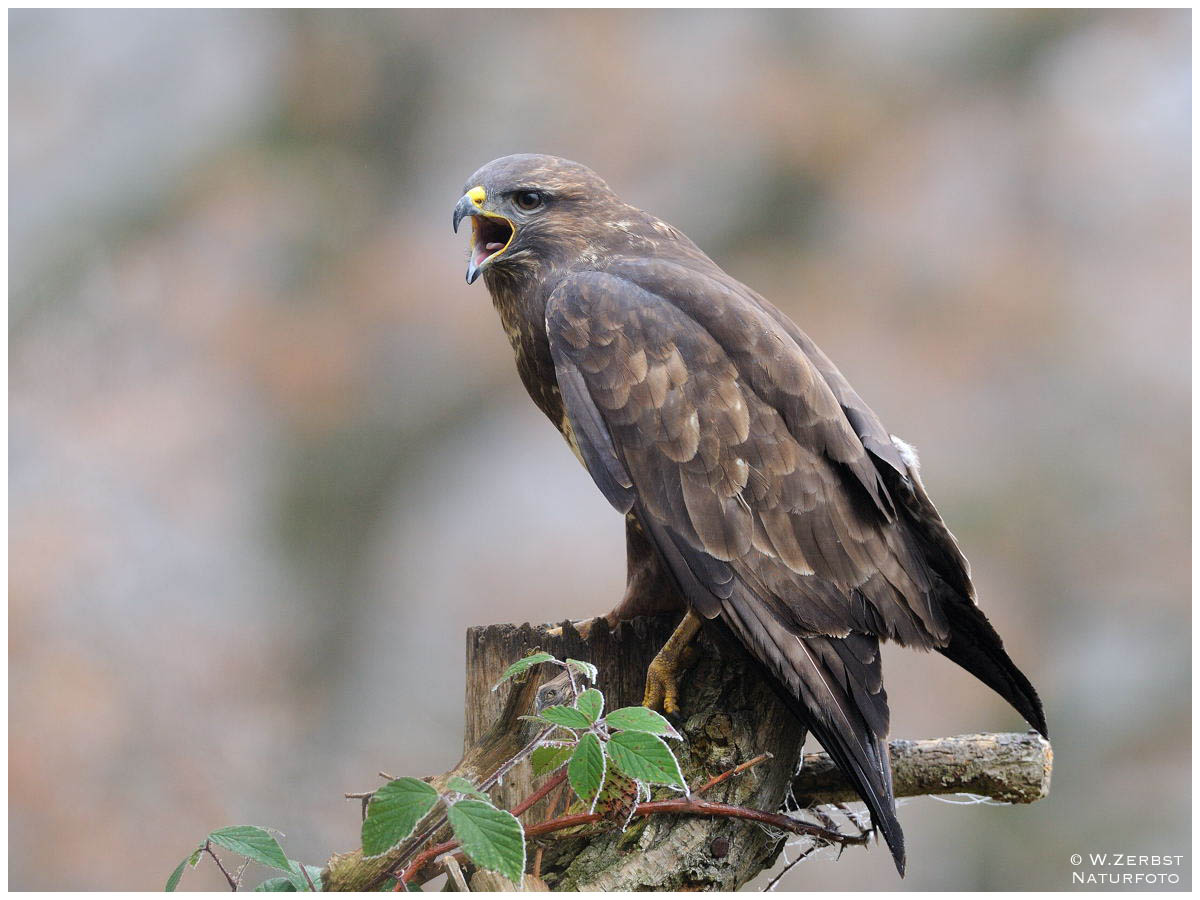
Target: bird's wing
696, 406
972, 641
703, 416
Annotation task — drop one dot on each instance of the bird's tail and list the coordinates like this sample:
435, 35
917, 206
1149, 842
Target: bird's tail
975, 645
973, 642
835, 687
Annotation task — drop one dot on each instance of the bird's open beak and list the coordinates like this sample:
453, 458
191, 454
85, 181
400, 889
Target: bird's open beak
491, 233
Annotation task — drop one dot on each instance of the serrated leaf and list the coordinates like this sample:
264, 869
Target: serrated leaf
639, 718
492, 838
278, 883
645, 757
173, 878
586, 669
253, 843
586, 769
549, 759
566, 716
590, 703
522, 665
394, 812
462, 786
618, 797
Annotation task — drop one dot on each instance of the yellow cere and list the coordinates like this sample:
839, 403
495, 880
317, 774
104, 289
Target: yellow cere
477, 195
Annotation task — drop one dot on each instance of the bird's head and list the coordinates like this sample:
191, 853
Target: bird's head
528, 211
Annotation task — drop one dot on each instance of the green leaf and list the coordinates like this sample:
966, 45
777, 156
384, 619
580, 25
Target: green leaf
462, 786
522, 665
586, 669
645, 757
619, 797
549, 759
278, 883
299, 882
394, 812
639, 718
253, 843
173, 879
566, 716
492, 838
590, 703
586, 769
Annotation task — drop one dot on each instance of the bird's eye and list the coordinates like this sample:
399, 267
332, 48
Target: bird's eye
528, 200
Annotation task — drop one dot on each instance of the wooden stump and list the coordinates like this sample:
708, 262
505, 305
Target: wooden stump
730, 715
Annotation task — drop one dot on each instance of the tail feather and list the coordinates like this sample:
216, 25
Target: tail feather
973, 642
834, 686
975, 645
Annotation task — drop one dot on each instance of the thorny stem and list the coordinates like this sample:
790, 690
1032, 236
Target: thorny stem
304, 869
233, 882
517, 810
416, 841
539, 793
795, 862
683, 806
736, 770
537, 861
560, 777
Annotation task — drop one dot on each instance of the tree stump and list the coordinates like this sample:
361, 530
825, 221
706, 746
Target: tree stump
729, 716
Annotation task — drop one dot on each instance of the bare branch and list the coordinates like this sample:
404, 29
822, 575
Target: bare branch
1011, 768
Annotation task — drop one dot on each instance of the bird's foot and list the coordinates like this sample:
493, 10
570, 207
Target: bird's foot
676, 655
662, 679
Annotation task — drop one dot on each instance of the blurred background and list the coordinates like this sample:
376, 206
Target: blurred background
269, 456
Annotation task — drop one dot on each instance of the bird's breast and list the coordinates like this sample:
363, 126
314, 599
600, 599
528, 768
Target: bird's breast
524, 321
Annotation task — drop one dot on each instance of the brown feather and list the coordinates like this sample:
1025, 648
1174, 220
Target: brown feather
756, 479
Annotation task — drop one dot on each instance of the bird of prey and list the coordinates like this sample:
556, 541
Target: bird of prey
758, 488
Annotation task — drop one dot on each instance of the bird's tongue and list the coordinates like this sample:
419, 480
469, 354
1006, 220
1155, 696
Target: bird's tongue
482, 253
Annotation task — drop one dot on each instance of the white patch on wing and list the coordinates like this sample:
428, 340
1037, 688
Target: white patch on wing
907, 452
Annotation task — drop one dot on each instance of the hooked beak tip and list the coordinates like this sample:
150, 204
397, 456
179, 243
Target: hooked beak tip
462, 209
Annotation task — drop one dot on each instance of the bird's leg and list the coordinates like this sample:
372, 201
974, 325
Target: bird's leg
662, 677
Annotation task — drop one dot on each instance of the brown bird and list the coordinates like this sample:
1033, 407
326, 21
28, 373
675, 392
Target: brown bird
758, 489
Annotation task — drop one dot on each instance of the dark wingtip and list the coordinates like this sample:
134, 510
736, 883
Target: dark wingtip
975, 645
1039, 719
893, 836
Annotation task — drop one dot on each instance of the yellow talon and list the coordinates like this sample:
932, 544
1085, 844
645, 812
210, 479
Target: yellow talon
662, 687
662, 676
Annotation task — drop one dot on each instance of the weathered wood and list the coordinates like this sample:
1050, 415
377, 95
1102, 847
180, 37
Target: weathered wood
484, 881
730, 715
1010, 768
